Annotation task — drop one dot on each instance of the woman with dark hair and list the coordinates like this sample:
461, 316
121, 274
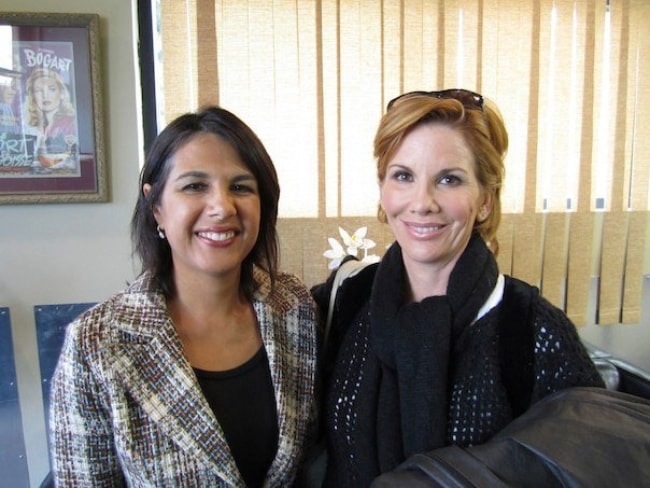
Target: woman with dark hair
201, 372
434, 346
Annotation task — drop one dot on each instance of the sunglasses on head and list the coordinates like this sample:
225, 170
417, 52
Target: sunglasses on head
469, 99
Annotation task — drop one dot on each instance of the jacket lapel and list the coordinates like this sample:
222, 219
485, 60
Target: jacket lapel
150, 363
292, 369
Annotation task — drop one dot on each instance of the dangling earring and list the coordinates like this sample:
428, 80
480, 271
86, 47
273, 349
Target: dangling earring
161, 232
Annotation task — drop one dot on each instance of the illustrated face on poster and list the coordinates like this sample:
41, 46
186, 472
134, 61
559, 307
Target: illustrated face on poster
38, 119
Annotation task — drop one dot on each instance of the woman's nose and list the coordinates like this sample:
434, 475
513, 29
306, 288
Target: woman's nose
221, 204
424, 199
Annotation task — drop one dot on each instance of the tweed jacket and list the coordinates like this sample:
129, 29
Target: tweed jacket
127, 409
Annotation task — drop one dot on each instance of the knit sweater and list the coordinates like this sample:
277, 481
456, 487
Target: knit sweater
368, 415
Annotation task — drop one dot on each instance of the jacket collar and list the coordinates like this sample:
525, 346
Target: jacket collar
149, 361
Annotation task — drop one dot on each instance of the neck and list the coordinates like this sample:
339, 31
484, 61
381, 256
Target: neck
427, 280
48, 117
215, 322
200, 303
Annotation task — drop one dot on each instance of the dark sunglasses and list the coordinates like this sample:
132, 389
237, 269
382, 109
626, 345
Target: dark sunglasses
469, 99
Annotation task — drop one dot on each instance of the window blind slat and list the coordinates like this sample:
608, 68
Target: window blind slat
615, 227
206, 54
527, 247
177, 40
580, 259
505, 236
633, 287
555, 258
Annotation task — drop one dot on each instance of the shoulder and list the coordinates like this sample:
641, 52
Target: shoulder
544, 311
88, 340
527, 300
353, 294
357, 287
286, 293
520, 299
93, 325
138, 309
65, 120
290, 284
519, 290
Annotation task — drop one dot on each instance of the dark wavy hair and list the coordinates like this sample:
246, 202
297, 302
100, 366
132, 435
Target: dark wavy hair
155, 253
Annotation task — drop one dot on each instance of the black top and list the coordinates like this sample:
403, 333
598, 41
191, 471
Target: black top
243, 400
374, 411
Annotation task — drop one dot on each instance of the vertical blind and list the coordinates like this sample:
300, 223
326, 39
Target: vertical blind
571, 78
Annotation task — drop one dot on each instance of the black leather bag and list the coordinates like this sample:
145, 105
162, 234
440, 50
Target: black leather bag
579, 437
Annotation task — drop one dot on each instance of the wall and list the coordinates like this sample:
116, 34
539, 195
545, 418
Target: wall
71, 253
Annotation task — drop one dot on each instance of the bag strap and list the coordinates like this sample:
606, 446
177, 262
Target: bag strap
346, 270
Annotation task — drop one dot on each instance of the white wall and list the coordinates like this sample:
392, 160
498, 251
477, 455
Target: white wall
70, 253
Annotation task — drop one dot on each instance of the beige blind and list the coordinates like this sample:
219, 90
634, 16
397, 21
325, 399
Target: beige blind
571, 78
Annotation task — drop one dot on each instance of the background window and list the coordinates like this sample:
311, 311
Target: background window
312, 78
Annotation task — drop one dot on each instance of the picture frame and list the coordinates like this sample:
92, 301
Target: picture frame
51, 110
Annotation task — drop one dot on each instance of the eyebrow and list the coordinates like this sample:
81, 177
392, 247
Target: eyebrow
451, 170
191, 174
202, 174
442, 171
244, 177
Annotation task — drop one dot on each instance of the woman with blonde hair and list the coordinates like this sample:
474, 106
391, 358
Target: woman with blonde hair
50, 112
434, 346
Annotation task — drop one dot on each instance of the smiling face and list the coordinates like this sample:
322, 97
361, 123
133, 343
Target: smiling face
431, 197
209, 208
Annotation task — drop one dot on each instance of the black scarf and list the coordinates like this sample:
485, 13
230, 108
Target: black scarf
412, 344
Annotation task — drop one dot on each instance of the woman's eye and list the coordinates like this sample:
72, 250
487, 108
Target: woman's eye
239, 188
450, 180
194, 187
402, 176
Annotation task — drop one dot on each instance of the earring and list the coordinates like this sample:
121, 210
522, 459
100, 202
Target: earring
161, 232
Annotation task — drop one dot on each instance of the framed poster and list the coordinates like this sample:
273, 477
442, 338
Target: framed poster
51, 120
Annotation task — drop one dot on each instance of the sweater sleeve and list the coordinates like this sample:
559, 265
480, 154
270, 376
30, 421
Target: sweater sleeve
82, 448
561, 359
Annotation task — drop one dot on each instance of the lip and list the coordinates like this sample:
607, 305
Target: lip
424, 230
218, 236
